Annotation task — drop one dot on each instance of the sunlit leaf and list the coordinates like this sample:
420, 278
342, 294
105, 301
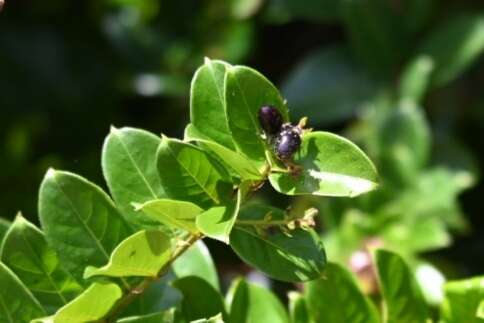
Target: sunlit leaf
17, 304
27, 254
142, 254
298, 309
178, 214
463, 299
331, 166
129, 167
80, 221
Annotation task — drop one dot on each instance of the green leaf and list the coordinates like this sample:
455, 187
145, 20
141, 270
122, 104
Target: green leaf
241, 165
214, 319
200, 299
415, 78
92, 305
17, 304
4, 225
298, 309
207, 102
328, 86
454, 46
188, 173
217, 222
294, 256
404, 143
162, 317
129, 167
462, 300
403, 299
336, 298
179, 214
332, 166
80, 221
246, 90
250, 303
27, 254
375, 33
197, 261
142, 254
480, 310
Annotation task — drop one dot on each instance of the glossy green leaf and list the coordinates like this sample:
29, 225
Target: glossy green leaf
26, 253
454, 46
80, 221
375, 34
403, 300
17, 304
298, 309
294, 256
174, 213
188, 173
162, 317
462, 301
129, 167
332, 166
416, 78
336, 298
404, 143
197, 261
241, 165
4, 225
250, 303
207, 102
246, 90
92, 305
327, 86
200, 299
142, 254
217, 222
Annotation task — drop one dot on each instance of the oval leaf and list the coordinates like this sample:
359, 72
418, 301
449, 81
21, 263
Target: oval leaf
26, 252
197, 261
142, 254
129, 167
80, 221
332, 166
294, 257
250, 303
207, 102
336, 298
246, 90
17, 304
92, 305
188, 173
179, 214
403, 299
200, 299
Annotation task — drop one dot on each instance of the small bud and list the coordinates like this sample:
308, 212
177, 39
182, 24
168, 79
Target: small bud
270, 119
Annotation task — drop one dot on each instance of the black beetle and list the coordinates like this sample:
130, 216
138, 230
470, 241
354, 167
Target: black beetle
270, 120
287, 141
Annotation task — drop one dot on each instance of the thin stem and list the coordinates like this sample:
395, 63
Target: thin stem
133, 293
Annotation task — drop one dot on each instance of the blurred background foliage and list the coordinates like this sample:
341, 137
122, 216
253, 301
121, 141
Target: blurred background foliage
402, 78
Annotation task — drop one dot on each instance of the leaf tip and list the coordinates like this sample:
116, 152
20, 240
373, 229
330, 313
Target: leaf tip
50, 173
113, 130
207, 60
